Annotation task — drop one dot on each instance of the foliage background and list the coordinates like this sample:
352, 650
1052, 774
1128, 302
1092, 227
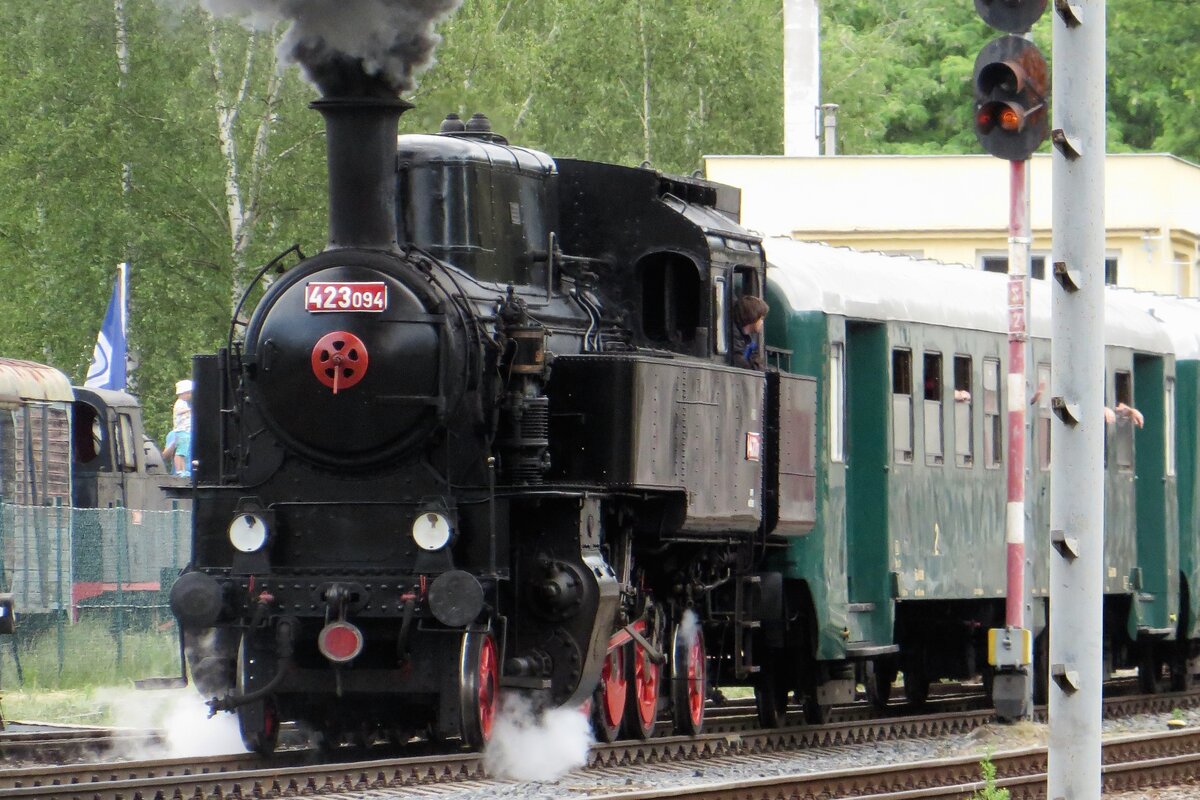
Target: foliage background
619, 80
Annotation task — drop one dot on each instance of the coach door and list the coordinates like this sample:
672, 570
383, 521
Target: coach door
868, 408
1157, 526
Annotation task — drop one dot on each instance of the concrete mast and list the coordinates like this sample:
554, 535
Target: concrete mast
1077, 397
801, 77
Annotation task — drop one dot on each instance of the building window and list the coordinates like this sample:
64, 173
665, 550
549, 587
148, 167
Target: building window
1110, 272
995, 263
1043, 418
932, 373
902, 406
993, 430
964, 407
837, 404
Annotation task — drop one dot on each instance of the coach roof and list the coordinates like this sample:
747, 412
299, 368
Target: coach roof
25, 380
870, 285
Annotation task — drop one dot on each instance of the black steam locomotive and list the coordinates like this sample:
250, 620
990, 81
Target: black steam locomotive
492, 438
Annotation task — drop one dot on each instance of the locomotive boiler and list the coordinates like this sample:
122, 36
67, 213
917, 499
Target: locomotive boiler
491, 438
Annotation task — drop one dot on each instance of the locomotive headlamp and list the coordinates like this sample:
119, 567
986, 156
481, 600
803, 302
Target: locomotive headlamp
248, 532
431, 531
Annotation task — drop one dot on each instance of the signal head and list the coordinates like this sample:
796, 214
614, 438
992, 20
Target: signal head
1010, 16
1011, 87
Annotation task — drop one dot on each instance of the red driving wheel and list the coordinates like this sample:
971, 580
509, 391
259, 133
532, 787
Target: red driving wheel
642, 706
339, 360
608, 702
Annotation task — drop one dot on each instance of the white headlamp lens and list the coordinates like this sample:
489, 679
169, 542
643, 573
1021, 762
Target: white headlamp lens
248, 533
431, 531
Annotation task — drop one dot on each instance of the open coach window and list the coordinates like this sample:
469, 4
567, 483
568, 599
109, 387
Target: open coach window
964, 407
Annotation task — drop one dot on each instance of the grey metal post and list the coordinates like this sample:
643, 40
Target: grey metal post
1077, 397
801, 77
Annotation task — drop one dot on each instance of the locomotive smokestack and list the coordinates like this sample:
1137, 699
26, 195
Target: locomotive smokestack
360, 143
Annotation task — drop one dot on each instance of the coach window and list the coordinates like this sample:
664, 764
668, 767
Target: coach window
1123, 433
902, 406
1170, 431
721, 340
837, 404
964, 408
1043, 418
934, 449
993, 431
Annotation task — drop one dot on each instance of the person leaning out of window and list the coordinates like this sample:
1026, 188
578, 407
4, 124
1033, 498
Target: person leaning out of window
749, 312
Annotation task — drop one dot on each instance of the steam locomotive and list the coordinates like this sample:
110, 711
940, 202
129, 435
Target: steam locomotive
492, 438
496, 438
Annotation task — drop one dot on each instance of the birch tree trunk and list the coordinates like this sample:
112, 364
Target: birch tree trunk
243, 181
641, 12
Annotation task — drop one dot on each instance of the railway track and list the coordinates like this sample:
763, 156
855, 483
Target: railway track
294, 772
1130, 763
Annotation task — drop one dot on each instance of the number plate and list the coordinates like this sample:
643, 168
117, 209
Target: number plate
321, 296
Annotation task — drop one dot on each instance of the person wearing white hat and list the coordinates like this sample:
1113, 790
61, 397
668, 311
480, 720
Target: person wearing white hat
178, 450
182, 417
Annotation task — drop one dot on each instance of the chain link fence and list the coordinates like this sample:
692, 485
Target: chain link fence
90, 590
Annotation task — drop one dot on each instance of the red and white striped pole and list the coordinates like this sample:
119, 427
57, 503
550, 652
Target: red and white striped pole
1018, 268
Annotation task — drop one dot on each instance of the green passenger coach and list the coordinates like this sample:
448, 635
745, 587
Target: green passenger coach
904, 571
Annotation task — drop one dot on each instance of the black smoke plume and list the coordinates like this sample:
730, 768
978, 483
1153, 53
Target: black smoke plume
350, 47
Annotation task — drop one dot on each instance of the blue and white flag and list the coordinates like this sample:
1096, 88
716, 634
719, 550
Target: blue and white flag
107, 370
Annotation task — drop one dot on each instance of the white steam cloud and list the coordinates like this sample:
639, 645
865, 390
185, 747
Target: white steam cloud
181, 715
339, 43
531, 746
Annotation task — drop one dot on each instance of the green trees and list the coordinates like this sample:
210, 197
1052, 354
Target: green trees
146, 131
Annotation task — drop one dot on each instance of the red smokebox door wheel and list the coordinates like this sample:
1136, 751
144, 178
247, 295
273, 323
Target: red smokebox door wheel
339, 360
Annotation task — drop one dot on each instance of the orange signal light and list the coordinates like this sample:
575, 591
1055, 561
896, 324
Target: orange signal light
1010, 120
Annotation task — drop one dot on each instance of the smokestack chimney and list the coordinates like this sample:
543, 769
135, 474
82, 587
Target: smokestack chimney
360, 146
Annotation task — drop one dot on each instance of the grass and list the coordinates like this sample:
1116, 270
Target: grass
60, 673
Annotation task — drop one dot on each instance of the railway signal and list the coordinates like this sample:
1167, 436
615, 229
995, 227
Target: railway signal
1010, 16
1012, 86
1011, 90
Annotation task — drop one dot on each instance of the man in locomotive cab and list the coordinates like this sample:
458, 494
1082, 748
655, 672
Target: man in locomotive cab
749, 313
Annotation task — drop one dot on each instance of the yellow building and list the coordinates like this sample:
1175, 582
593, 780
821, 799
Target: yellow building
955, 209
